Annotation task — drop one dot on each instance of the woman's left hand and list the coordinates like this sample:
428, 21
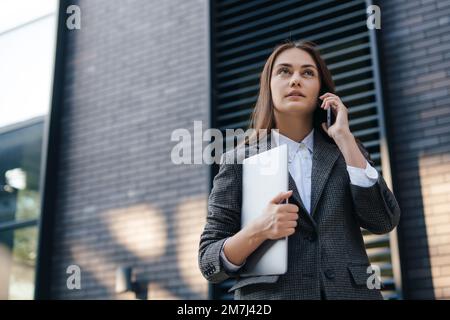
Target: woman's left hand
340, 131
340, 128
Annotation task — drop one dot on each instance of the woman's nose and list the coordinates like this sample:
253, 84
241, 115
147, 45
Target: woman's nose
295, 81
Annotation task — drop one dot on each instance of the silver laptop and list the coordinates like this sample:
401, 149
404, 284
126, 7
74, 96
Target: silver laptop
264, 176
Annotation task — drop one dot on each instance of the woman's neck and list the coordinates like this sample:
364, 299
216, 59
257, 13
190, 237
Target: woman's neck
295, 128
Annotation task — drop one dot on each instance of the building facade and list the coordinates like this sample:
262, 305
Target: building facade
133, 74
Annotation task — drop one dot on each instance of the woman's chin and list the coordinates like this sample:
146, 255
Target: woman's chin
296, 107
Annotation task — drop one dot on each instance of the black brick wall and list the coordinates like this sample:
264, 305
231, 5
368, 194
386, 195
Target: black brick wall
135, 71
415, 46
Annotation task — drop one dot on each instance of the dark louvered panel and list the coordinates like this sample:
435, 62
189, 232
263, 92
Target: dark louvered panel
244, 35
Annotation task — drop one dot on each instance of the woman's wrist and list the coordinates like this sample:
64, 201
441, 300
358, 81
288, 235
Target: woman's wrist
238, 247
255, 233
350, 150
343, 137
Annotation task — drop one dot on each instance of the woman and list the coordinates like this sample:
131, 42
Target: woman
334, 190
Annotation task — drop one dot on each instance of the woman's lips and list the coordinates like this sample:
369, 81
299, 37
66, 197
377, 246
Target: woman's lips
294, 97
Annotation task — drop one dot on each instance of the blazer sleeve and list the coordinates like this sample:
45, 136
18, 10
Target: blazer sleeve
223, 220
376, 208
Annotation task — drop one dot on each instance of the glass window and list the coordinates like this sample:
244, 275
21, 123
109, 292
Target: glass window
17, 258
20, 154
27, 54
26, 61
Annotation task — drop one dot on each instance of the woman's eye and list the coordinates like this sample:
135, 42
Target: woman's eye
309, 73
283, 71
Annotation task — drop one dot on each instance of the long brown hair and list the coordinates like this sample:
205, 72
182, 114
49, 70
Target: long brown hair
263, 116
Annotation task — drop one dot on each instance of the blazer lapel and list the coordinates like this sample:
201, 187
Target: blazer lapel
325, 155
295, 193
296, 196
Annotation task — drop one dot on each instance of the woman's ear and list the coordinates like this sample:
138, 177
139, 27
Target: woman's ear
320, 115
319, 102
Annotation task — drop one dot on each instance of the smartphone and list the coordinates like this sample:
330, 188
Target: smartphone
330, 117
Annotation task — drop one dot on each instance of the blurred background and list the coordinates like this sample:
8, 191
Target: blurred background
91, 206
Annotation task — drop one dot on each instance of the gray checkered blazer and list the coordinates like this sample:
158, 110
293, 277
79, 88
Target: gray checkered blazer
327, 252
